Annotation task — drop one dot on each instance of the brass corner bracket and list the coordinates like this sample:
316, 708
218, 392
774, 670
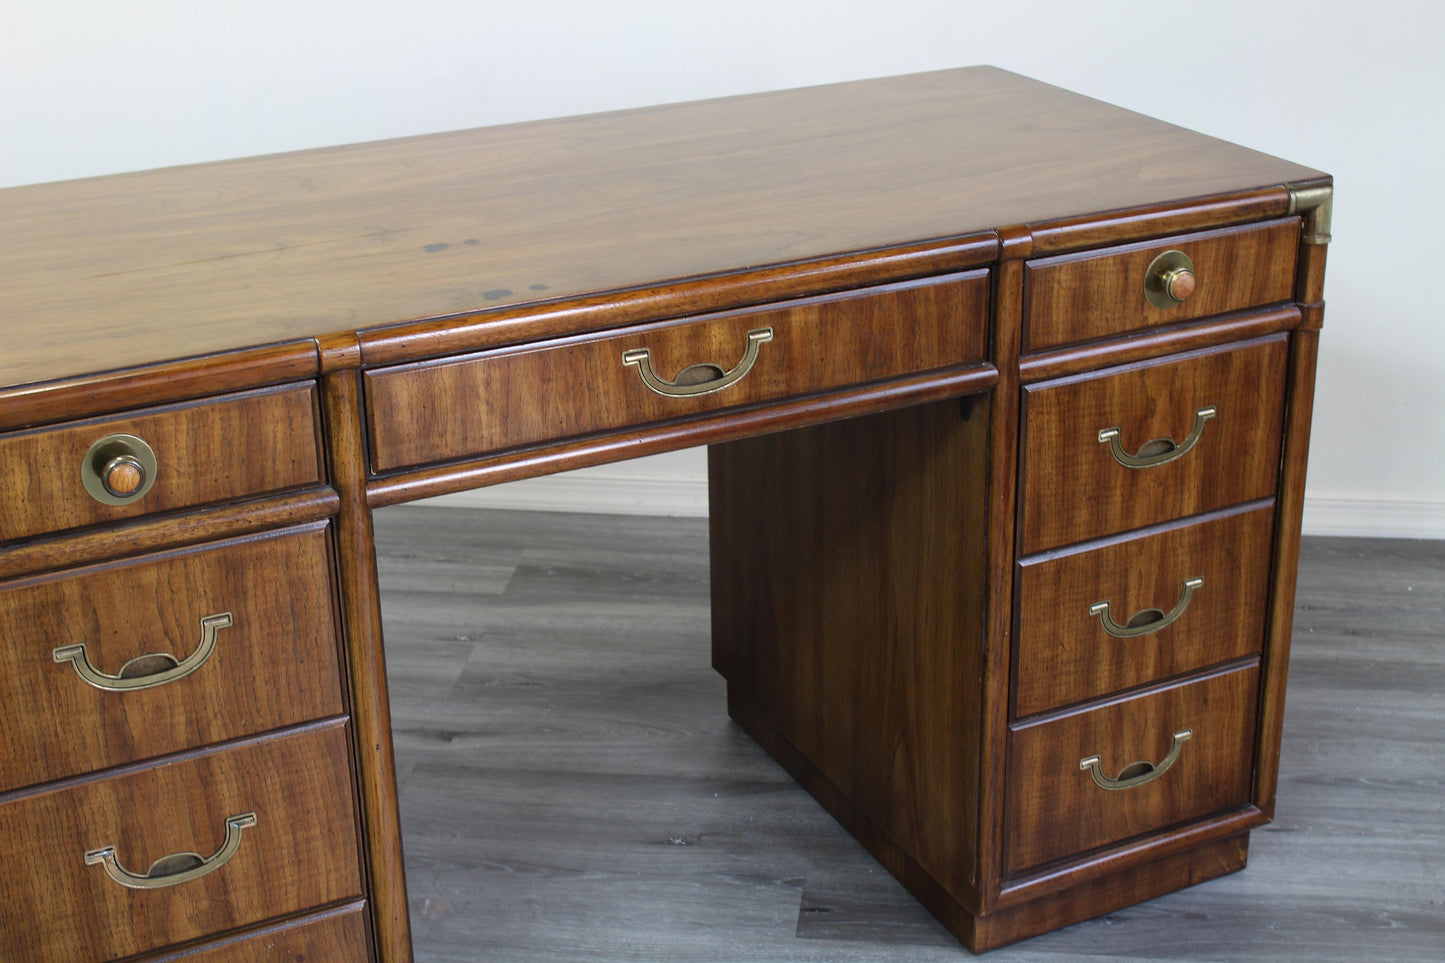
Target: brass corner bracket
1315, 204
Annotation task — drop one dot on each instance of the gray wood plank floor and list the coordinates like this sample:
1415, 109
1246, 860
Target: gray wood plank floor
572, 788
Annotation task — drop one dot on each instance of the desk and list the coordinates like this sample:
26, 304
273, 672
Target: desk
1008, 393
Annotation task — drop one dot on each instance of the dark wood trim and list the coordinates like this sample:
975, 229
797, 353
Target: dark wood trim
107, 392
1304, 353
436, 337
669, 436
158, 532
366, 664
1114, 227
1078, 359
1003, 469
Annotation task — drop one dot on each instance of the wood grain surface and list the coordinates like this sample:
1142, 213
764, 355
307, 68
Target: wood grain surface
557, 390
571, 787
275, 665
219, 450
1062, 652
1071, 487
302, 852
1096, 294
335, 936
847, 598
94, 275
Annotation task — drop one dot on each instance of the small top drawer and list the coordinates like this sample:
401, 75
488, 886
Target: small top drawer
1144, 443
158, 459
446, 410
1096, 294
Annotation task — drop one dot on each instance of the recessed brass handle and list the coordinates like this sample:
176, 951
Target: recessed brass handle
1160, 451
1136, 773
118, 469
678, 388
177, 868
146, 671
1169, 279
1146, 620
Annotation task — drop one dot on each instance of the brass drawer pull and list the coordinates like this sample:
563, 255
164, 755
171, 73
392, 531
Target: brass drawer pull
1146, 620
1160, 451
1136, 773
146, 671
118, 469
681, 387
177, 868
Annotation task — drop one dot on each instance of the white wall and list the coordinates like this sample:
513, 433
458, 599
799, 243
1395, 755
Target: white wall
98, 87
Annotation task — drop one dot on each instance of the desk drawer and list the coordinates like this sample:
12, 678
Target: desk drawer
447, 410
1055, 807
338, 936
1202, 587
271, 662
58, 900
1099, 294
217, 450
1141, 444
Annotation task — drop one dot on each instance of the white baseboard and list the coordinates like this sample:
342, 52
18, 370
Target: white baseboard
597, 493
1376, 517
686, 496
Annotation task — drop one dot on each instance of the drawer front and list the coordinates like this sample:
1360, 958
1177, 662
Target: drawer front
442, 411
1174, 601
1056, 809
219, 450
1220, 409
65, 638
300, 852
335, 937
1099, 294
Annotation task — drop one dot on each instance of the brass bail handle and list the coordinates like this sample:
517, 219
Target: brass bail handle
177, 868
163, 666
1137, 773
641, 358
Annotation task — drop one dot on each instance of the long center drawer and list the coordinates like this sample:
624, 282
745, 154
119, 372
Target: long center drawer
448, 410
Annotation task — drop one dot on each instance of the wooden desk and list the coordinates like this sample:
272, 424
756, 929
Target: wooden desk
1011, 595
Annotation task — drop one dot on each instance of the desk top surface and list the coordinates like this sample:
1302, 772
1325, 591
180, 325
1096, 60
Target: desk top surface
131, 269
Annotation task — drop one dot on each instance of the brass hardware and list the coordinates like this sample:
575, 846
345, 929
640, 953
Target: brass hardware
1136, 773
1169, 279
1160, 451
642, 358
118, 469
1316, 206
146, 671
177, 868
1134, 628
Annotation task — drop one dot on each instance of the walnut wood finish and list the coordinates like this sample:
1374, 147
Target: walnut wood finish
384, 865
556, 390
214, 451
1055, 810
1072, 489
847, 583
301, 853
336, 935
316, 242
275, 665
1081, 297
1063, 654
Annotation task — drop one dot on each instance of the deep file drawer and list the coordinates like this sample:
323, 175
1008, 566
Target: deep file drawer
126, 660
1131, 766
1131, 446
532, 394
170, 853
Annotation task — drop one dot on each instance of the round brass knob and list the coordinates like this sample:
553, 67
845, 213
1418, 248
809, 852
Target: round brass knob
118, 469
1170, 279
